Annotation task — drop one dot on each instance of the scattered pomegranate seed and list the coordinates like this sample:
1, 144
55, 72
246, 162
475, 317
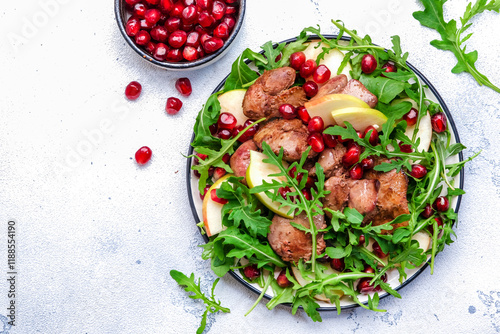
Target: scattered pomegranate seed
368, 163
218, 9
213, 128
356, 173
439, 222
315, 140
316, 124
297, 59
293, 173
308, 68
173, 105
249, 122
389, 67
227, 121
418, 171
361, 239
441, 204
303, 115
152, 16
201, 156
337, 264
321, 74
377, 250
205, 190
143, 155
183, 86
193, 39
133, 90
330, 140
177, 9
373, 135
310, 182
438, 122
231, 10
428, 211
282, 280
287, 111
221, 31
213, 196
150, 47
364, 286
145, 25
307, 194
251, 272
205, 19
132, 26
351, 156
224, 134
411, 117
283, 191
160, 52
368, 64
406, 148
368, 269
218, 173
310, 88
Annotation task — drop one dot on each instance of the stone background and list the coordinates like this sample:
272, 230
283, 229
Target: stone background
98, 235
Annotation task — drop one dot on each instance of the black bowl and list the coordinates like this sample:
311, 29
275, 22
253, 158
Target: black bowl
453, 129
121, 16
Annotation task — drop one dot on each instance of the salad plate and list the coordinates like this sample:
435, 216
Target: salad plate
393, 277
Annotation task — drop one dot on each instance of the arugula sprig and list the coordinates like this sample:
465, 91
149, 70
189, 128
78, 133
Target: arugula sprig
451, 36
190, 284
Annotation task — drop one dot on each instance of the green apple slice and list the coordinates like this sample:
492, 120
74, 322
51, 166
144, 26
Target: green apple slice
360, 118
259, 171
332, 60
232, 102
212, 211
324, 106
302, 281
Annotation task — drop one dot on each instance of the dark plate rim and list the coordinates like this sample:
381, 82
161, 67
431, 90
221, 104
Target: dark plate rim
421, 269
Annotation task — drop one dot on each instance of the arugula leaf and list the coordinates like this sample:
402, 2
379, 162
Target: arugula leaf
385, 89
309, 305
206, 117
212, 305
451, 36
241, 73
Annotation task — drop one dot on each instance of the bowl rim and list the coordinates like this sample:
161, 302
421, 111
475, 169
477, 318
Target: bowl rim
120, 20
422, 268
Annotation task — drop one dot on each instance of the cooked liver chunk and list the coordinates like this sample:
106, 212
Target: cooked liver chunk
269, 91
357, 89
241, 159
362, 195
292, 244
334, 85
331, 161
337, 199
289, 134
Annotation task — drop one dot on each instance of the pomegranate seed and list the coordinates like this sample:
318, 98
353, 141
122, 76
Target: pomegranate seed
227, 121
438, 122
315, 140
213, 129
231, 10
418, 171
133, 26
221, 31
230, 21
173, 24
330, 140
166, 5
213, 44
231, 2
307, 194
218, 9
204, 37
188, 2
145, 25
368, 270
173, 105
160, 52
224, 134
297, 59
316, 124
142, 38
321, 74
368, 163
211, 171
411, 117
183, 86
193, 39
174, 55
368, 64
287, 111
364, 286
176, 10
139, 10
132, 2
213, 196
190, 53
338, 264
226, 158
428, 211
282, 280
377, 250
218, 173
159, 34
133, 90
293, 173
204, 4
308, 68
441, 204
356, 173
389, 67
303, 114
205, 190
439, 222
373, 135
310, 182
310, 88
177, 39
201, 156
283, 191
361, 239
249, 122
143, 155
189, 15
236, 131
205, 19
351, 156
150, 47
152, 16
153, 2
251, 272
406, 148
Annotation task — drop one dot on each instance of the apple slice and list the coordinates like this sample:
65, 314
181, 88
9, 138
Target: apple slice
212, 211
324, 106
332, 60
232, 102
360, 118
423, 239
302, 281
424, 129
259, 171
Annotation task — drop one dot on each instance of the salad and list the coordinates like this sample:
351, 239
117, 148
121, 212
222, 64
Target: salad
326, 172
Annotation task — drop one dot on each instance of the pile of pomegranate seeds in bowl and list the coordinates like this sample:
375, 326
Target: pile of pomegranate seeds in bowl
180, 34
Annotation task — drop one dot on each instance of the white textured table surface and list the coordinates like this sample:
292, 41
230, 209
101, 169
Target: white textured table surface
97, 235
